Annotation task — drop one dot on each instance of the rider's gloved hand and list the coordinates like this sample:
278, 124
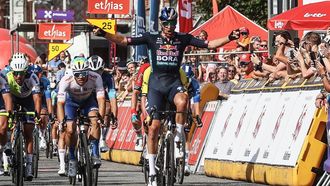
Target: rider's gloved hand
99, 32
114, 123
37, 119
134, 116
234, 35
199, 121
51, 118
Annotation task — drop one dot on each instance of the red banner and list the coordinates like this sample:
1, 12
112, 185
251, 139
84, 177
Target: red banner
108, 6
54, 31
185, 17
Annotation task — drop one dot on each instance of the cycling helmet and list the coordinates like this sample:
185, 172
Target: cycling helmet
95, 62
35, 69
168, 14
188, 70
19, 62
79, 64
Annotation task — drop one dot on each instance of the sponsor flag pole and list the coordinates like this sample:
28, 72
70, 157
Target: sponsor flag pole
140, 27
154, 9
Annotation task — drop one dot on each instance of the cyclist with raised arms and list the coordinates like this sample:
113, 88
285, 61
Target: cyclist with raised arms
96, 64
6, 105
79, 90
25, 90
165, 50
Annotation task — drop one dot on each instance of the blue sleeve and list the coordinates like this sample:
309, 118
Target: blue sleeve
47, 94
112, 94
109, 85
197, 42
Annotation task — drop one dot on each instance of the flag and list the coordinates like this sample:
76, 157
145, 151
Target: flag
185, 15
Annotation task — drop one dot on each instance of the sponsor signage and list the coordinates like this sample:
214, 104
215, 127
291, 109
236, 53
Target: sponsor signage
108, 6
108, 25
55, 15
56, 48
54, 31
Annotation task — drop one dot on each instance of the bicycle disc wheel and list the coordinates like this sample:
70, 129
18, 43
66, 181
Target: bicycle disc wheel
86, 161
18, 171
170, 164
180, 165
35, 153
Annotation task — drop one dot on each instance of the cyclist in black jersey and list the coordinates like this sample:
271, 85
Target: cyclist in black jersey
165, 49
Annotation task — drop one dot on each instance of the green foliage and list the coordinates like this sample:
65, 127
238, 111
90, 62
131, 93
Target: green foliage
256, 10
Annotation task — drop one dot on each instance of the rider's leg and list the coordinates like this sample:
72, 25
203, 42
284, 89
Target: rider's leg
3, 137
180, 101
105, 127
42, 126
61, 153
28, 135
54, 136
94, 135
152, 144
71, 138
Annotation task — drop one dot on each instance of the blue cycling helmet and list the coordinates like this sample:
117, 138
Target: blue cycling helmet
35, 69
188, 70
168, 14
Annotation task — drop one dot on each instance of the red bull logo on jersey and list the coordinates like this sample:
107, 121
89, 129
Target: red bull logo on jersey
168, 47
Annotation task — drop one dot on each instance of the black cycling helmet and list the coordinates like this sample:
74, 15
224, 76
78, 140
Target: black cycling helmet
168, 14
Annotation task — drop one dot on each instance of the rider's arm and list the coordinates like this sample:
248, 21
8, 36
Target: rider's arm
36, 93
218, 42
8, 102
61, 96
100, 95
145, 82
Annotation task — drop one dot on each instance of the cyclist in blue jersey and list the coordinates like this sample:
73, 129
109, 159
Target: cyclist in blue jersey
96, 64
46, 110
165, 49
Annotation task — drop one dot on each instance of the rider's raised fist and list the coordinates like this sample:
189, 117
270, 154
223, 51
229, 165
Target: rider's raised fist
99, 32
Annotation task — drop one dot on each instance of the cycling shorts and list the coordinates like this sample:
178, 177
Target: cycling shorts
71, 107
162, 90
27, 105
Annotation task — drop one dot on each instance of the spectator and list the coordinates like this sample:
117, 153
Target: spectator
211, 75
245, 40
53, 64
203, 35
255, 43
264, 55
232, 74
224, 85
245, 66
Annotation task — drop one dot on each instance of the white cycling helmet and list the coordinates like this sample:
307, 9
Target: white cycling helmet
95, 62
19, 62
79, 64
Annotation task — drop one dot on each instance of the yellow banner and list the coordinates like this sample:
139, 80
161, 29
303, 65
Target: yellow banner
108, 25
55, 49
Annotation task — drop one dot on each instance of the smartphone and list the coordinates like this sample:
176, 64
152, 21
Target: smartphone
296, 42
313, 58
292, 54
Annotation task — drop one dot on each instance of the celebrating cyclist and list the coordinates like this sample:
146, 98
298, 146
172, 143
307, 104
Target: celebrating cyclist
166, 52
96, 64
76, 91
25, 90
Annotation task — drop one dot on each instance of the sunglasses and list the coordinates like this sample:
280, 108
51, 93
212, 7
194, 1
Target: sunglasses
21, 73
80, 74
244, 33
169, 23
243, 64
231, 70
263, 45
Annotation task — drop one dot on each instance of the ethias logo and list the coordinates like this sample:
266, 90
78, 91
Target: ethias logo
54, 33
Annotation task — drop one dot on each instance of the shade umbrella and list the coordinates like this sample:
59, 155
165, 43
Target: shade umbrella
314, 16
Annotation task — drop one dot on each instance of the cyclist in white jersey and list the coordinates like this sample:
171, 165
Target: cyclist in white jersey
5, 105
25, 87
76, 91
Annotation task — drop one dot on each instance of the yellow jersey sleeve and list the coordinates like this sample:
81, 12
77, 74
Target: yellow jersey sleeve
146, 76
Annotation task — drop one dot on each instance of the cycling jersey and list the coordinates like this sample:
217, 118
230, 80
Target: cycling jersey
109, 85
45, 89
139, 78
31, 85
69, 87
166, 55
146, 76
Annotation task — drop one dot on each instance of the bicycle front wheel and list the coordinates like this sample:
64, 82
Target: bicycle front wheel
35, 152
85, 161
170, 161
18, 171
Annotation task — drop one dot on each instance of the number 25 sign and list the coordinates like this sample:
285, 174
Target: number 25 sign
108, 25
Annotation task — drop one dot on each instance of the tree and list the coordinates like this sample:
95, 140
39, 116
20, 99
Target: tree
256, 10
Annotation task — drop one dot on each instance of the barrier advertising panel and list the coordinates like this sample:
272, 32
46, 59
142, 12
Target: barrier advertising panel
198, 139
